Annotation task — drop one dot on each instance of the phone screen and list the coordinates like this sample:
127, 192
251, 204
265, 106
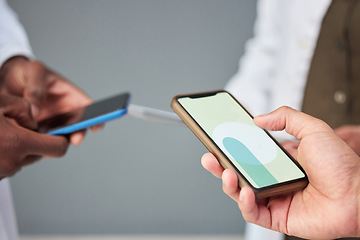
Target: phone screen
249, 148
80, 118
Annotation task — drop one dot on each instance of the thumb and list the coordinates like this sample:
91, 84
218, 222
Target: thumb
294, 122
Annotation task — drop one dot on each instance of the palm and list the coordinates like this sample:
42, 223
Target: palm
307, 211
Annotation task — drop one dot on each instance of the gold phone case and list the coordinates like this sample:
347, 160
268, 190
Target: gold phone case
223, 160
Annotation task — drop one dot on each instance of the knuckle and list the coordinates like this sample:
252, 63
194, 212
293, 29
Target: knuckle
320, 124
285, 108
37, 66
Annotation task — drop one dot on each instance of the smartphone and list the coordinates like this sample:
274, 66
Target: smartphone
227, 130
87, 116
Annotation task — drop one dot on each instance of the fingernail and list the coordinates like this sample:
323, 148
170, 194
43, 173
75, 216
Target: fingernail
76, 139
241, 198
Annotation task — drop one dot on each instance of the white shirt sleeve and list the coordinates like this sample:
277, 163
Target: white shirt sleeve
273, 70
8, 225
13, 39
256, 68
13, 42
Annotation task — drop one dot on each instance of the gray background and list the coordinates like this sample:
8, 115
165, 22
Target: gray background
134, 177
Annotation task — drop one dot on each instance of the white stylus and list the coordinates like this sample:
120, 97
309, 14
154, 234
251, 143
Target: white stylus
152, 114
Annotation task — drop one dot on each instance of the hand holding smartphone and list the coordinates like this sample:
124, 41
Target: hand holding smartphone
87, 116
227, 130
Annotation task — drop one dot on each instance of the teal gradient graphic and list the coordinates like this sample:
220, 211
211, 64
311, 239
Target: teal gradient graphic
252, 166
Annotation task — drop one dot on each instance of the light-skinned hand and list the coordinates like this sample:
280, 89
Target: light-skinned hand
351, 135
348, 133
328, 207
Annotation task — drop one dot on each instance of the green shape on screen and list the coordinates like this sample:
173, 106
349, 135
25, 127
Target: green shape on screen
251, 165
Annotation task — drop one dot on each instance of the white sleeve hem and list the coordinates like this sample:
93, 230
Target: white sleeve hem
12, 50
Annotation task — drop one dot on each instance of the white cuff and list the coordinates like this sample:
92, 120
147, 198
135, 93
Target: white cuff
11, 50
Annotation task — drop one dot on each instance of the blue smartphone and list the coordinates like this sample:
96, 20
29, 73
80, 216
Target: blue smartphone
87, 116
